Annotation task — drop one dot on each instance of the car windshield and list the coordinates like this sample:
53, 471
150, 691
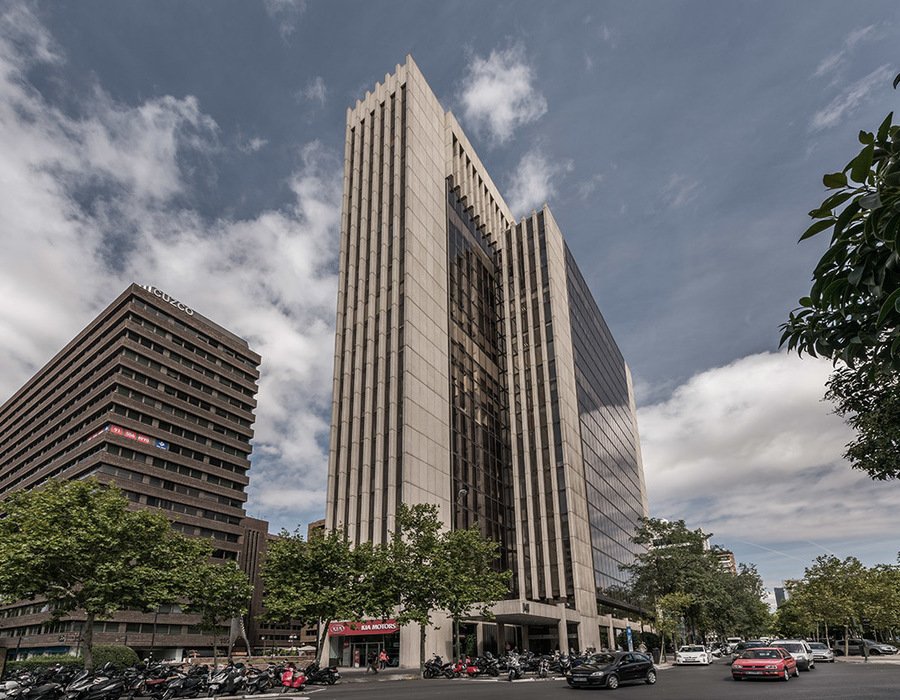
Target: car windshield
603, 659
818, 645
761, 654
692, 649
791, 647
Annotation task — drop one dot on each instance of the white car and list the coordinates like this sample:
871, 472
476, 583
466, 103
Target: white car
692, 655
800, 650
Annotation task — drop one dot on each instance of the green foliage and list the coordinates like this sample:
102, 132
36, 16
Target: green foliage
119, 656
454, 571
421, 570
869, 400
218, 593
846, 594
77, 544
684, 583
852, 313
39, 663
322, 578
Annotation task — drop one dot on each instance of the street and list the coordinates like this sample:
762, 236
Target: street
838, 681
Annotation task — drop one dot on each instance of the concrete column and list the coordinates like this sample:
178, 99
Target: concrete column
563, 633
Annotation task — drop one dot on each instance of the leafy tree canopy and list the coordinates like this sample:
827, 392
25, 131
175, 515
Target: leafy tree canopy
77, 544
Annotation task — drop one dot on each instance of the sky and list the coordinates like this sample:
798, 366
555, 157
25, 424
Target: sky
198, 147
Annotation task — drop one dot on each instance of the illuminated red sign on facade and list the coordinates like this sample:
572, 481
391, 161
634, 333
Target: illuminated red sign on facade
344, 629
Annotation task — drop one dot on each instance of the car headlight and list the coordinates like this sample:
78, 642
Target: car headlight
597, 674
771, 666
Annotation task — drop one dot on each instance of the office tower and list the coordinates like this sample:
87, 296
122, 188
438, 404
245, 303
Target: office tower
159, 400
474, 371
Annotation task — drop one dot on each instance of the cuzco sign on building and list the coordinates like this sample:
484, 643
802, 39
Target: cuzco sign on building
157, 292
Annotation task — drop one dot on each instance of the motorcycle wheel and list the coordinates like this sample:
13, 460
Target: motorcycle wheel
511, 676
493, 672
331, 680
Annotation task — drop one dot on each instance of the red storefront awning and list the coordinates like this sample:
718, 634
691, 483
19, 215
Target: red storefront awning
343, 629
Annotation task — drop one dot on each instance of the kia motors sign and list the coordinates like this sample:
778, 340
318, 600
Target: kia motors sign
343, 629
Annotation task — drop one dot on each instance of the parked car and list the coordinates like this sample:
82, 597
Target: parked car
799, 649
821, 652
873, 648
609, 669
764, 662
692, 654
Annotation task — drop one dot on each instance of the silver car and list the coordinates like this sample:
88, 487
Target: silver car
821, 652
799, 649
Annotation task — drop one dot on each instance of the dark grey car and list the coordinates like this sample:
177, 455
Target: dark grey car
609, 669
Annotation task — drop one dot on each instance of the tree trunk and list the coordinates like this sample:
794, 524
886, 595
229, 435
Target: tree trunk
422, 647
320, 641
215, 652
826, 634
88, 637
847, 641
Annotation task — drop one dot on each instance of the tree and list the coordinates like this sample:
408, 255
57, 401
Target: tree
434, 570
678, 562
852, 313
218, 593
869, 400
319, 579
469, 579
832, 591
76, 544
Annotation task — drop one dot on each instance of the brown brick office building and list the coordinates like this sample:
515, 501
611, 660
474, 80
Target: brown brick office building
159, 400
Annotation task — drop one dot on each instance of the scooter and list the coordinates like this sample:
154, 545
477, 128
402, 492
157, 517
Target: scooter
229, 681
514, 669
292, 679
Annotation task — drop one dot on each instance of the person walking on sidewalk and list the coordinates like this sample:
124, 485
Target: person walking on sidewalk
382, 660
371, 662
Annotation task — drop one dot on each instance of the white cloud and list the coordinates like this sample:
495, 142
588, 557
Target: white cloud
286, 13
587, 187
848, 101
750, 451
315, 91
92, 203
253, 145
833, 61
680, 190
498, 94
533, 182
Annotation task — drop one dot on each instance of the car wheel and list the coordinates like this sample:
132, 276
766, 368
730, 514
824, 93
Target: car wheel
787, 675
612, 682
874, 652
651, 677
797, 672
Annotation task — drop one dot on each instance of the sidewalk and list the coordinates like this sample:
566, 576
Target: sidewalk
359, 675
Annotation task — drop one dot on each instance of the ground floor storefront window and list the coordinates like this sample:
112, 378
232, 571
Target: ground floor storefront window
352, 643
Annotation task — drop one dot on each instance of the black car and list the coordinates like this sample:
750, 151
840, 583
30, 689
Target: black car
609, 669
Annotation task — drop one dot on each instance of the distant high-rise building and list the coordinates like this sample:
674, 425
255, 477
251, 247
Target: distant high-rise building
474, 371
726, 560
159, 400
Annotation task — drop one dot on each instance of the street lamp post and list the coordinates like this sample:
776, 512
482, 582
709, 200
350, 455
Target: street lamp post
292, 638
460, 497
264, 645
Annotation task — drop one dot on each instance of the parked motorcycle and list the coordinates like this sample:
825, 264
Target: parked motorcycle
292, 679
316, 675
514, 669
231, 680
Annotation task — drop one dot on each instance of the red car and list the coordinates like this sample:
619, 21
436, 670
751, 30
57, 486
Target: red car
764, 662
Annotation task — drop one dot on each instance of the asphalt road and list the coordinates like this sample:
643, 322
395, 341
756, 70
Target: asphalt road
840, 681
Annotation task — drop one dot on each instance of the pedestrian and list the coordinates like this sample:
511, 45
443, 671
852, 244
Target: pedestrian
382, 660
372, 662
